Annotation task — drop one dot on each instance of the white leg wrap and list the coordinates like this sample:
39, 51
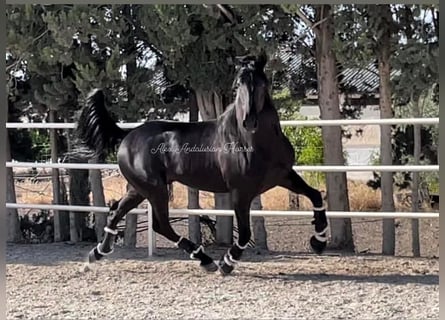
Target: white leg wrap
179, 241
241, 247
192, 255
319, 208
229, 260
113, 232
103, 253
321, 236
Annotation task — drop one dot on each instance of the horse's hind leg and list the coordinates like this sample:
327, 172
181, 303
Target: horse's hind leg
131, 200
296, 184
158, 198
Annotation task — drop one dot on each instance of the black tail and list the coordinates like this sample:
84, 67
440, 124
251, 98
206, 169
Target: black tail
96, 129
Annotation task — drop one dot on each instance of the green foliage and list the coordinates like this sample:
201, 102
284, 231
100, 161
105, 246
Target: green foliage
431, 180
353, 42
403, 145
414, 57
288, 106
40, 145
197, 47
69, 49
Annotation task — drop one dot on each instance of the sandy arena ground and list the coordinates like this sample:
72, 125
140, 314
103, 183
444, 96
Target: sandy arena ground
46, 281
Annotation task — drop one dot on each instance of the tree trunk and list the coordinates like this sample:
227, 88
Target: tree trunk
224, 225
13, 222
130, 235
65, 215
386, 112
194, 220
416, 181
328, 99
259, 229
294, 201
211, 105
79, 196
97, 189
193, 194
61, 218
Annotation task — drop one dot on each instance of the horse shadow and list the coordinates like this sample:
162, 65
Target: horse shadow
396, 279
54, 254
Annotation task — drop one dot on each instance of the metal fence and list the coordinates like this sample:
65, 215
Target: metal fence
176, 212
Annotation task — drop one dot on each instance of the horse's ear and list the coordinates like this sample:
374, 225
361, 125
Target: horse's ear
261, 60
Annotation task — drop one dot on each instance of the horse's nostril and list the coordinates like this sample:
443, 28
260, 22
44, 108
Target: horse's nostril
244, 124
255, 124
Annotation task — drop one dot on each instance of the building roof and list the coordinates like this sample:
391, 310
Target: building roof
361, 80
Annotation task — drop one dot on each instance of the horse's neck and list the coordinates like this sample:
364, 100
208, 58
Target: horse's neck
268, 116
229, 128
269, 107
269, 129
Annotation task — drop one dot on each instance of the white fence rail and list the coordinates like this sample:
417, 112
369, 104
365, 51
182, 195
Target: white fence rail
61, 165
254, 213
330, 214
284, 123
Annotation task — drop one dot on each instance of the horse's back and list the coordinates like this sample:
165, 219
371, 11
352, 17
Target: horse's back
166, 151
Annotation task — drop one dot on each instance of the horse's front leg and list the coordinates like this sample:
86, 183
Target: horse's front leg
295, 183
241, 203
131, 200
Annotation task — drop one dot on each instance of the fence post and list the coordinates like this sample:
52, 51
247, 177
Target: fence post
258, 224
13, 222
194, 221
61, 219
151, 236
97, 190
130, 233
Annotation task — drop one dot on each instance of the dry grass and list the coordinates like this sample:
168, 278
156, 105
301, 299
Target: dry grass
284, 234
361, 197
34, 192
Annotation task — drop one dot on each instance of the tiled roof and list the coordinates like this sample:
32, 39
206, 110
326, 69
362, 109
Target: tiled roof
358, 79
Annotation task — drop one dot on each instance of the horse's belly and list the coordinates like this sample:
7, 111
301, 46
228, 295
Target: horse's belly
210, 183
206, 178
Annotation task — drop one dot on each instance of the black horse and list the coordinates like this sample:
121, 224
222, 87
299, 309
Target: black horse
242, 152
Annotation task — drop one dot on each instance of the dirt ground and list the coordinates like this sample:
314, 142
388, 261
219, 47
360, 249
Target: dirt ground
284, 234
46, 281
288, 282
292, 235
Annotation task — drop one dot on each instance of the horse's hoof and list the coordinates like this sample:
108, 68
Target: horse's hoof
317, 246
94, 255
224, 268
86, 267
210, 267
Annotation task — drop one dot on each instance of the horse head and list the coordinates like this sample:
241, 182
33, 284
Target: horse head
251, 89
